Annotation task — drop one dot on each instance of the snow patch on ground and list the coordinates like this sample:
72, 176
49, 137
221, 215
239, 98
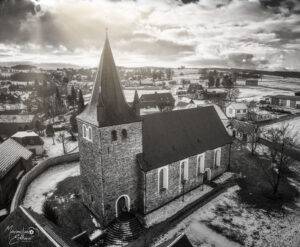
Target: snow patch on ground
237, 224
44, 185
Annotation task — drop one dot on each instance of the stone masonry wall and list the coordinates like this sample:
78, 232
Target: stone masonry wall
154, 199
109, 168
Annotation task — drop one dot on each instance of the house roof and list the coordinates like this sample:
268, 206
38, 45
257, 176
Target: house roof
238, 105
107, 105
194, 88
28, 138
176, 135
16, 118
285, 97
44, 233
10, 153
157, 97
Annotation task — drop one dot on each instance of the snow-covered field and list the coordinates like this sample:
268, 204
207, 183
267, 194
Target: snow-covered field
257, 93
236, 224
46, 183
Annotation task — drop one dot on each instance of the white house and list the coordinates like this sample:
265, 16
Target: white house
30, 140
236, 110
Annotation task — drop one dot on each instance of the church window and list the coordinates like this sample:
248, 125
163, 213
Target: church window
163, 179
217, 157
200, 163
90, 133
114, 135
124, 133
184, 171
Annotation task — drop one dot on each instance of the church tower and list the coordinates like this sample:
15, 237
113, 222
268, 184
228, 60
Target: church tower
109, 137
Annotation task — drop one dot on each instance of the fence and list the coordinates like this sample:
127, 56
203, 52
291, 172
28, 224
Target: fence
35, 172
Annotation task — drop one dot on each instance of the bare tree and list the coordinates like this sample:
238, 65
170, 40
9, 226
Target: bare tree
253, 138
232, 94
275, 161
64, 141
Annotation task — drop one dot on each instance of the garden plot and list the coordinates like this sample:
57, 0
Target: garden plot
45, 184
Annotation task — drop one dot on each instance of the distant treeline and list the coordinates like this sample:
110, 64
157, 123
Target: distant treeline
30, 76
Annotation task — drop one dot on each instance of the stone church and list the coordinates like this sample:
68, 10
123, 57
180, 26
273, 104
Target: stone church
133, 163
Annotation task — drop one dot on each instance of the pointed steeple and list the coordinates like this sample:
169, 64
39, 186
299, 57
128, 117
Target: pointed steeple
108, 105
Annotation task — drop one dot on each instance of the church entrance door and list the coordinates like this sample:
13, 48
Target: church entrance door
122, 205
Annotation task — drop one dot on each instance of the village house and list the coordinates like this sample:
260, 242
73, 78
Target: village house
238, 110
163, 101
195, 91
284, 101
134, 165
15, 161
30, 140
251, 82
10, 124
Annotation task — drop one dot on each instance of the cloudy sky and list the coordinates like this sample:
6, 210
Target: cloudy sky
262, 34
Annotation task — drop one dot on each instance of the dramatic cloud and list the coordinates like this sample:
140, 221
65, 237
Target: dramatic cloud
261, 34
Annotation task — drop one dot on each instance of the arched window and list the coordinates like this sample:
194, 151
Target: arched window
217, 157
114, 135
124, 133
84, 130
163, 179
184, 171
200, 163
90, 133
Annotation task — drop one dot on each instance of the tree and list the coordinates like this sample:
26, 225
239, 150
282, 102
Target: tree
58, 101
50, 213
49, 130
73, 123
211, 79
38, 126
73, 96
253, 138
63, 140
80, 102
232, 94
217, 83
275, 161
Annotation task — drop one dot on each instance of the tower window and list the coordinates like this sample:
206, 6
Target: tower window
90, 133
124, 133
114, 135
84, 130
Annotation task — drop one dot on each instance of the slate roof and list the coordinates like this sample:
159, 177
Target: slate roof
16, 118
107, 105
10, 153
176, 135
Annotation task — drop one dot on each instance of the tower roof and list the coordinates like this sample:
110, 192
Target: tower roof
108, 105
